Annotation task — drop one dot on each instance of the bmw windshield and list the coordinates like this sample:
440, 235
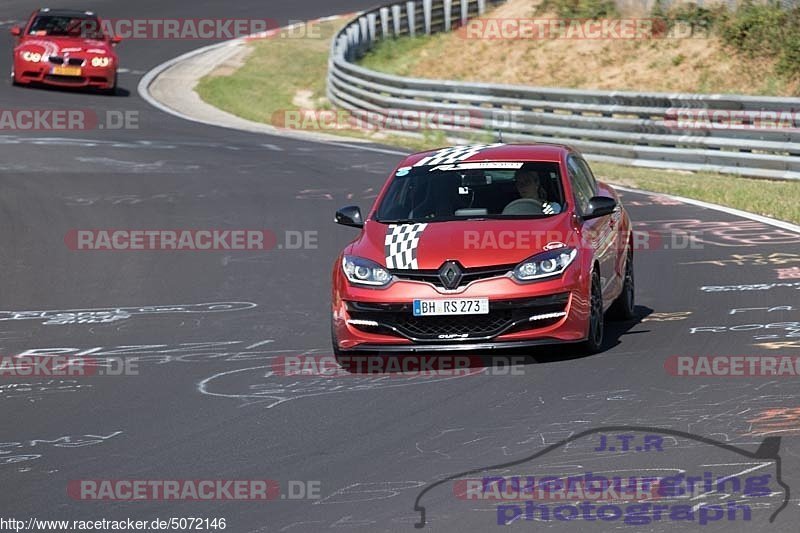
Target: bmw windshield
473, 191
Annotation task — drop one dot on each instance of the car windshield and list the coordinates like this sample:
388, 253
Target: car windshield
473, 191
66, 26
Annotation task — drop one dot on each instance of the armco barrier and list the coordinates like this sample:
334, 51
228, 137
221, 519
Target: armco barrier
630, 128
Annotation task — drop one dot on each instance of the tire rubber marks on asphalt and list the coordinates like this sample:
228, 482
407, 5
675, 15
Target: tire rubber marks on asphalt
114, 314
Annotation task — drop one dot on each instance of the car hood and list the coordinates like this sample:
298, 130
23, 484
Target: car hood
472, 243
56, 46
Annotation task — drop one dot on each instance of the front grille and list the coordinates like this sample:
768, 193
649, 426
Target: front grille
75, 80
469, 274
504, 316
74, 61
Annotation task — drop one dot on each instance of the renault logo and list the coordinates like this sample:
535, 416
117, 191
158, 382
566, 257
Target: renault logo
450, 274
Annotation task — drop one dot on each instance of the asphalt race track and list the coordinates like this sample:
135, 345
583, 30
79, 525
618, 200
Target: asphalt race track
205, 404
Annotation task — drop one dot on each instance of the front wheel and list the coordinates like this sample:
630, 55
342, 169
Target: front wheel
623, 306
594, 339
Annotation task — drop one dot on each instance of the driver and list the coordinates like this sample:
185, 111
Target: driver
529, 185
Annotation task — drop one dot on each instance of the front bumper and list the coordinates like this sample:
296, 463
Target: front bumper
548, 312
41, 73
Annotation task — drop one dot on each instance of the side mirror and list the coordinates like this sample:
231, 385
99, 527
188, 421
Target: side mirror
600, 206
349, 216
16, 31
115, 40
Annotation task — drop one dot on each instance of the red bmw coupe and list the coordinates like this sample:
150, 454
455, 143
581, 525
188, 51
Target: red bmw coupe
64, 48
483, 247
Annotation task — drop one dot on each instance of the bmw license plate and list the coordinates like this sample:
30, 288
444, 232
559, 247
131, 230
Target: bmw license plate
451, 306
67, 71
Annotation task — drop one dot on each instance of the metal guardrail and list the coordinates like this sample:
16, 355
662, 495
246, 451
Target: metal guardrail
633, 128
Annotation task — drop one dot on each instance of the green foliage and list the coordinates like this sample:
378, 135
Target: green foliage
580, 9
766, 30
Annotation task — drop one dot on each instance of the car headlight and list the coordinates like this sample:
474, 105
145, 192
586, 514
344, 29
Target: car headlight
545, 265
33, 57
101, 61
360, 271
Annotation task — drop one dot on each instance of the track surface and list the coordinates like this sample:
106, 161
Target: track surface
211, 411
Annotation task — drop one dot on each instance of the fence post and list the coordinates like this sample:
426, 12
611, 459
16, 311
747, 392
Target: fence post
464, 12
384, 22
427, 6
396, 19
412, 24
372, 23
448, 11
481, 7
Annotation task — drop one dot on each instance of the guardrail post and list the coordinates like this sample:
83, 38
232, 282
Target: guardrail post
384, 22
396, 19
427, 7
372, 25
448, 11
363, 40
412, 24
464, 12
481, 7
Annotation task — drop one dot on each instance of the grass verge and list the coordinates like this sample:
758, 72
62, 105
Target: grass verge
289, 74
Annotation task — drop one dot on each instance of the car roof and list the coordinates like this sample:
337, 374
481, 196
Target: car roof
503, 152
65, 12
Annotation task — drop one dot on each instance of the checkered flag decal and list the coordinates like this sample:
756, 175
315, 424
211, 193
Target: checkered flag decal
400, 245
548, 208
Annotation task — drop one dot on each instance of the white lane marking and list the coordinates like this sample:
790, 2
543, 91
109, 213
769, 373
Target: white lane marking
273, 147
371, 149
729, 210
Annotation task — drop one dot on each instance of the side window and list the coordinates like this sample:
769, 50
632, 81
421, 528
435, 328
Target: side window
581, 185
588, 172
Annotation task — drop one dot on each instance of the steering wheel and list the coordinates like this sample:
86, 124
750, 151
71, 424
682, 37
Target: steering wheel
524, 206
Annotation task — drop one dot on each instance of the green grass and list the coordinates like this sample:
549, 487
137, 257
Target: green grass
400, 56
776, 199
271, 76
279, 68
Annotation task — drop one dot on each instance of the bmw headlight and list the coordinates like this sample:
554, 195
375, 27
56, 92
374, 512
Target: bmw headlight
32, 57
360, 271
101, 61
545, 265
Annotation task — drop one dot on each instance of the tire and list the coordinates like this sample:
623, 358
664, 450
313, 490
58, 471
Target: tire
594, 337
335, 342
623, 307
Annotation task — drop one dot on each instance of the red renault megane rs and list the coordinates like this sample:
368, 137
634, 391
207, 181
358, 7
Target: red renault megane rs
482, 247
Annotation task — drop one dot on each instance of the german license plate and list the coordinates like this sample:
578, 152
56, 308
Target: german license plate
67, 71
451, 306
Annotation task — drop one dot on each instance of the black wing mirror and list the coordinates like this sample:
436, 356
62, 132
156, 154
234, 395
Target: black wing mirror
600, 206
349, 216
